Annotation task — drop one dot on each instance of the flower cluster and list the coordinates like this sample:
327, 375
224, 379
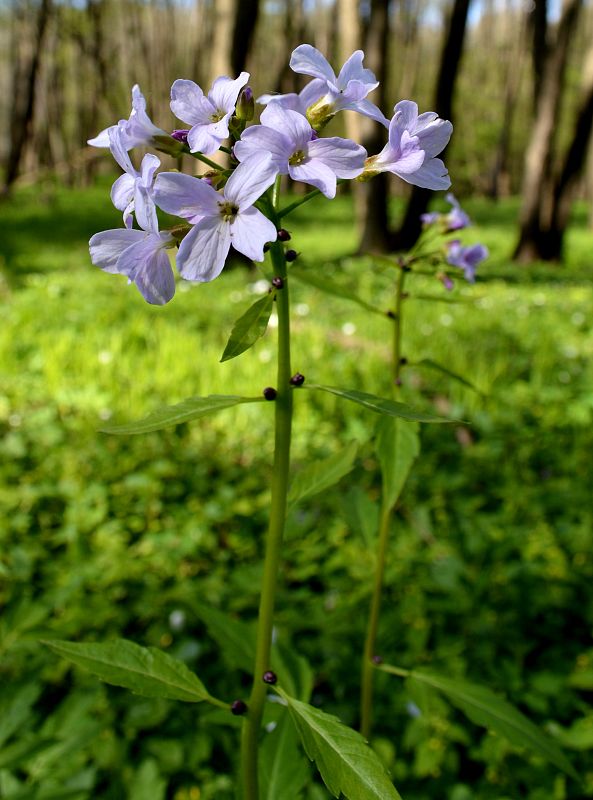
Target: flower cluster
231, 206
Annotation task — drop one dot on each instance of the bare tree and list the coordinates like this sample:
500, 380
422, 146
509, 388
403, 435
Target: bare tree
537, 187
27, 89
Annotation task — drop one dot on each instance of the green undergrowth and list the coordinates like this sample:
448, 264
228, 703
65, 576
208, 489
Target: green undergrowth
102, 536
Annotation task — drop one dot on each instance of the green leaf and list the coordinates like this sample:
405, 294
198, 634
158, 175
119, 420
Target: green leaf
398, 446
320, 475
329, 287
145, 671
16, 708
430, 364
380, 405
361, 513
22, 751
148, 783
192, 408
485, 708
250, 327
438, 298
293, 670
235, 638
283, 769
347, 764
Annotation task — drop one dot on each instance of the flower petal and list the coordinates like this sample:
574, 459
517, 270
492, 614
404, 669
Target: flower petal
106, 247
122, 191
250, 231
185, 101
368, 109
434, 137
201, 139
225, 91
407, 113
307, 60
344, 157
204, 250
262, 138
317, 174
101, 139
150, 164
294, 126
250, 180
144, 208
354, 71
185, 196
431, 175
118, 148
154, 276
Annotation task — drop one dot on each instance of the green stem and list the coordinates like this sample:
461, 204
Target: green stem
208, 161
283, 424
368, 667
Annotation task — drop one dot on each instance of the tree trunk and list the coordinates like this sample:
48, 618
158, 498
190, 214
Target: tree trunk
572, 167
411, 226
220, 57
536, 193
22, 129
372, 198
246, 14
538, 30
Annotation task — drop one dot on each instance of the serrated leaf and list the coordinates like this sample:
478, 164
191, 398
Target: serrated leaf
284, 770
361, 513
430, 364
192, 408
485, 708
144, 670
320, 475
398, 446
250, 327
346, 763
380, 405
330, 287
293, 670
16, 708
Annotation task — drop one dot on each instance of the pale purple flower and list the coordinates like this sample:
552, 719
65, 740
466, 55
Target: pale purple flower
430, 217
137, 130
289, 139
414, 141
456, 219
327, 93
219, 218
141, 256
132, 191
209, 115
466, 258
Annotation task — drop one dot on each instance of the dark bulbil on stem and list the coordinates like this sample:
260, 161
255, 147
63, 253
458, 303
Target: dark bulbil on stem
284, 235
238, 707
270, 677
291, 255
297, 379
270, 393
277, 282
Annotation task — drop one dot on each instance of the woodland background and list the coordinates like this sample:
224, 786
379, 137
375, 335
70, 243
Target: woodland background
159, 538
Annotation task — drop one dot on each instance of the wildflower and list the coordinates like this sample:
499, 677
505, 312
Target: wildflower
141, 256
328, 94
287, 136
209, 116
456, 219
132, 191
136, 130
414, 141
466, 258
219, 218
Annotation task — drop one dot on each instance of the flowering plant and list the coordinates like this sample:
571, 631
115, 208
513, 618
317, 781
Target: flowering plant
239, 204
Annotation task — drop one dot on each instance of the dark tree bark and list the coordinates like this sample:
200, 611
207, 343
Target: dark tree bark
411, 226
538, 30
23, 117
537, 187
373, 197
246, 15
572, 168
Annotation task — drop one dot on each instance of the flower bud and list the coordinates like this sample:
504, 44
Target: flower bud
172, 145
180, 134
297, 379
245, 108
270, 677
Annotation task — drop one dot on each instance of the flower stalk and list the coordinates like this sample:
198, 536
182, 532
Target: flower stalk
283, 426
387, 511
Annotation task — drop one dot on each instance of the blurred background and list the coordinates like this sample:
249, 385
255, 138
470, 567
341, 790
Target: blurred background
158, 538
